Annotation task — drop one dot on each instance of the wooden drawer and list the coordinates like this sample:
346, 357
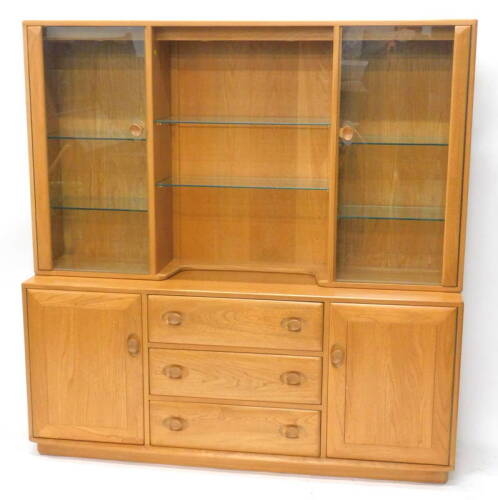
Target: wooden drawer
236, 322
227, 375
235, 428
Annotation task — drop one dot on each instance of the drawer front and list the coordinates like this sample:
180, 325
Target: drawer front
236, 322
227, 375
235, 428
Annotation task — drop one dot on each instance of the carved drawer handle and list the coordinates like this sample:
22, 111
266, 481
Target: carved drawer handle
337, 356
172, 318
133, 345
175, 372
175, 423
290, 431
292, 324
292, 378
136, 129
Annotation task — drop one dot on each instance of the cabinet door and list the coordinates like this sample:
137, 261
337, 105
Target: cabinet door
390, 383
401, 147
89, 145
86, 366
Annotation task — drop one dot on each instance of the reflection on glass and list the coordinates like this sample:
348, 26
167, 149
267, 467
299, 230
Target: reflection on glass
95, 101
393, 136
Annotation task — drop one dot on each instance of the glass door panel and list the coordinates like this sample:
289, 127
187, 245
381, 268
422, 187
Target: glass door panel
393, 153
95, 102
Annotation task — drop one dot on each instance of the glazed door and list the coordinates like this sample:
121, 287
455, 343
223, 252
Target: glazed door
87, 89
390, 383
86, 366
401, 130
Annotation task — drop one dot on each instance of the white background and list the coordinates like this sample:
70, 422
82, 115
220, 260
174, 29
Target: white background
24, 472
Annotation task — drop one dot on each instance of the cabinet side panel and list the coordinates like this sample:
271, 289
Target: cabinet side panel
36, 81
158, 93
456, 151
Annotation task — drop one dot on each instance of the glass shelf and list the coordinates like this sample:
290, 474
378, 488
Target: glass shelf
83, 138
396, 141
247, 183
98, 209
252, 120
385, 212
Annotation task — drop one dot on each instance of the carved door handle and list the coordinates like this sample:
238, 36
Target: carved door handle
337, 356
133, 345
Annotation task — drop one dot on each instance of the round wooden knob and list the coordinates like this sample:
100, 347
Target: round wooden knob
293, 324
292, 378
291, 431
133, 345
174, 371
346, 133
175, 423
337, 356
136, 129
172, 318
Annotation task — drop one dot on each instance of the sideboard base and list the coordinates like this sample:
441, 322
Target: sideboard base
246, 461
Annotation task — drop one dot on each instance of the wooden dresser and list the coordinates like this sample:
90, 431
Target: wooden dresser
249, 243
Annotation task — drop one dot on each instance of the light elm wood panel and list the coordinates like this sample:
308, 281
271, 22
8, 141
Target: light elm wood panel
244, 33
261, 151
37, 122
227, 375
390, 398
247, 461
255, 79
205, 276
247, 227
159, 144
264, 227
459, 113
85, 385
248, 285
236, 322
251, 24
235, 428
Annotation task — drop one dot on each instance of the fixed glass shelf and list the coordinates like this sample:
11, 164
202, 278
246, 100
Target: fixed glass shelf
246, 120
88, 138
98, 209
246, 183
386, 212
396, 141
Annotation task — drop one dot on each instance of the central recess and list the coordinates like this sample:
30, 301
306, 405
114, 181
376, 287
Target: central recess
252, 117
